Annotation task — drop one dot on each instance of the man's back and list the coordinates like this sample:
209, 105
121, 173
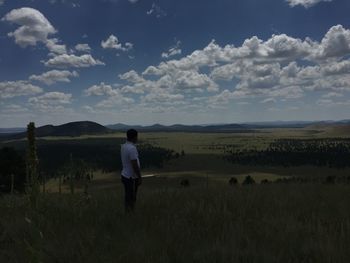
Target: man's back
129, 153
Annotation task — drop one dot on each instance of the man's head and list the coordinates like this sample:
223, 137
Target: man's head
131, 135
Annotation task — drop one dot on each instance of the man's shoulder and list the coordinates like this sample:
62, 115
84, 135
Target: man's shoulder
129, 146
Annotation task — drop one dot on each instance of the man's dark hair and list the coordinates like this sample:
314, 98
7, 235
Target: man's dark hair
131, 134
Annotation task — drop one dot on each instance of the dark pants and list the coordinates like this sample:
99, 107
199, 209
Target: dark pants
130, 187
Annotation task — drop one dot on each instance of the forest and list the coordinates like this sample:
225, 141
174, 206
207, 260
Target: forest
329, 152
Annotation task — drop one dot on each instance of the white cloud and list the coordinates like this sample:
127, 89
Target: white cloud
83, 48
115, 96
337, 68
133, 1
172, 79
173, 51
332, 103
161, 96
53, 76
55, 48
34, 27
101, 90
14, 108
112, 42
51, 101
131, 76
115, 101
268, 100
332, 95
10, 89
73, 61
305, 3
268, 70
70, 3
335, 44
157, 11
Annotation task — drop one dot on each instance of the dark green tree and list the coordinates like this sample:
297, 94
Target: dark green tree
11, 164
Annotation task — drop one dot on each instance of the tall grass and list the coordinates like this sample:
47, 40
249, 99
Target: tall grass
260, 223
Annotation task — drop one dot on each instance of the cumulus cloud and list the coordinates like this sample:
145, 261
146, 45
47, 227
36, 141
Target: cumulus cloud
332, 95
83, 48
112, 42
274, 68
51, 101
73, 61
277, 69
55, 48
33, 28
114, 96
305, 3
332, 103
335, 44
162, 96
131, 76
10, 89
101, 90
173, 51
53, 76
14, 108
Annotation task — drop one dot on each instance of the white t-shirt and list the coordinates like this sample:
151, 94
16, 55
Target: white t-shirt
128, 153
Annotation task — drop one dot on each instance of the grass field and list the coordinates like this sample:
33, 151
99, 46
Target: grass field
261, 223
209, 221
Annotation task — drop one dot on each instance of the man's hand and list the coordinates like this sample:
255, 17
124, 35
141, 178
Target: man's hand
139, 181
137, 171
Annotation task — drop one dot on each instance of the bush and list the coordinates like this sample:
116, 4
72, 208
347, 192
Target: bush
330, 179
265, 181
248, 180
11, 163
233, 181
185, 183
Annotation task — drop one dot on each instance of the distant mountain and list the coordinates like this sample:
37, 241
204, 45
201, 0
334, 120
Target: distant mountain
181, 128
11, 130
72, 129
241, 127
76, 129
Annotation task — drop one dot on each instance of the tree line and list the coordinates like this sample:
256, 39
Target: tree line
330, 152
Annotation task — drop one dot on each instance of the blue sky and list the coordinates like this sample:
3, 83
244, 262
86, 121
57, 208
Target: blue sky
165, 61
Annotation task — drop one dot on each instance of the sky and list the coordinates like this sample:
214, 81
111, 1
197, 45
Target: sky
165, 61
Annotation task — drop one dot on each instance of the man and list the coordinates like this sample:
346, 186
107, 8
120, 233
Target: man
131, 174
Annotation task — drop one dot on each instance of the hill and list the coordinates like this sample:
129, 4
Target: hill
71, 129
182, 128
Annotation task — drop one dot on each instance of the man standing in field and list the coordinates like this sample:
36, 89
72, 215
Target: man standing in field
131, 174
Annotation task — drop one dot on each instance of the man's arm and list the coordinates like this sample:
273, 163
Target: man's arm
136, 168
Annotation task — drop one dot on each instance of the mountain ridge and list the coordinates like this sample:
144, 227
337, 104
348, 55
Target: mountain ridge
70, 129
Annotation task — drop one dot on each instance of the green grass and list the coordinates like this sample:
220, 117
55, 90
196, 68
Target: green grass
206, 222
261, 223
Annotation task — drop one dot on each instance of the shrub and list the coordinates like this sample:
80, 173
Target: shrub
248, 180
265, 181
185, 182
233, 181
11, 163
330, 179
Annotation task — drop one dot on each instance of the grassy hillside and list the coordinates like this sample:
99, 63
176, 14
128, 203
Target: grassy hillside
209, 221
